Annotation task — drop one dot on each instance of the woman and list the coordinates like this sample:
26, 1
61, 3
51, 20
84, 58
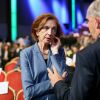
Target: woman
35, 60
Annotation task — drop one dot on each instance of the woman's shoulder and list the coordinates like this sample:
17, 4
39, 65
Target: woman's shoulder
28, 49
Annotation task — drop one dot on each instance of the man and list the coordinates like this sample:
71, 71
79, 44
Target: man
86, 80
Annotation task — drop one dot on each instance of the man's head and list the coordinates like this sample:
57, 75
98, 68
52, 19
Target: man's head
93, 16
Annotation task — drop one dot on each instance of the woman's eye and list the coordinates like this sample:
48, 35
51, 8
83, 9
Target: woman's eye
54, 30
46, 27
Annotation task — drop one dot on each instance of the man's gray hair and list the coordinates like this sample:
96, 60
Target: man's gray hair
94, 9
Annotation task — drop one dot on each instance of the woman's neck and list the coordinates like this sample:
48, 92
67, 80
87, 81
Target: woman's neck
44, 50
43, 47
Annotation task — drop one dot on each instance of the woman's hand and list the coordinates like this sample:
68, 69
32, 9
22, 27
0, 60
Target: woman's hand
55, 45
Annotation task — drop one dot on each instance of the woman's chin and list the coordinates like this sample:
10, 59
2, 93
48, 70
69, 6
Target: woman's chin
48, 41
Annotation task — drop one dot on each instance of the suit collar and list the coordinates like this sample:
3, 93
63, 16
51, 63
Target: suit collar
36, 48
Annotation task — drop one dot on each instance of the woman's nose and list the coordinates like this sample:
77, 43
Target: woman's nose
49, 31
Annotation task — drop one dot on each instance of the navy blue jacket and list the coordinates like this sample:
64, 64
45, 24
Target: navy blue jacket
86, 81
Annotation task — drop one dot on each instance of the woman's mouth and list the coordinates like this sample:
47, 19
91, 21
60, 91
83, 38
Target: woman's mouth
48, 39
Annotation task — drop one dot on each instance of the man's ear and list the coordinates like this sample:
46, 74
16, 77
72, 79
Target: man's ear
98, 23
98, 26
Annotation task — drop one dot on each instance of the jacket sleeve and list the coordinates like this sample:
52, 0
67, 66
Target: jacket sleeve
62, 90
59, 61
83, 82
31, 88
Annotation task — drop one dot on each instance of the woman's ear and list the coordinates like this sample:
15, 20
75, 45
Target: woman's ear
37, 33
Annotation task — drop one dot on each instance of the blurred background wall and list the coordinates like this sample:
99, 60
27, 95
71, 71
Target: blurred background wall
71, 14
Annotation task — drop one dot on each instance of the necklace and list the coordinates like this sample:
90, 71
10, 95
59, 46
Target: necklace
44, 53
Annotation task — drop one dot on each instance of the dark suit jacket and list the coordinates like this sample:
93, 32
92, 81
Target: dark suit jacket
86, 81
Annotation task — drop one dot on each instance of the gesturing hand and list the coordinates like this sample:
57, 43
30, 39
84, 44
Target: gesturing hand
54, 76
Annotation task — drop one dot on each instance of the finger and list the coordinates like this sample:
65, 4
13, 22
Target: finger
54, 70
64, 74
57, 38
59, 42
50, 73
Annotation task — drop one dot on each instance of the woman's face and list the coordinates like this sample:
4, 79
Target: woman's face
48, 32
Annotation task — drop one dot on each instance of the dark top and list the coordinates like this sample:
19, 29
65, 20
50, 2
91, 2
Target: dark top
45, 61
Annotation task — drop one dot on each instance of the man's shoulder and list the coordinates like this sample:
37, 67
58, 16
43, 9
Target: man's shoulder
95, 47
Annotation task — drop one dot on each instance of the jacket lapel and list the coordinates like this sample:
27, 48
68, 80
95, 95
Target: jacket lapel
39, 55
